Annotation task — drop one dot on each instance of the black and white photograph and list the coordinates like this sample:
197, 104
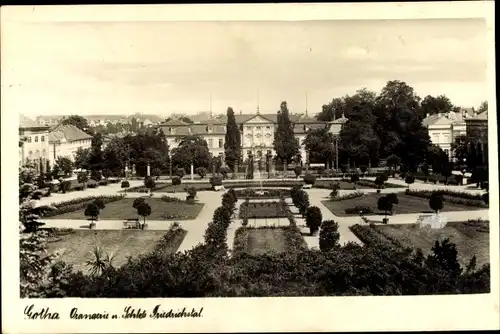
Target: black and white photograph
229, 159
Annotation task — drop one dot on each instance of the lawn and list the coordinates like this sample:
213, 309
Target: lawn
261, 240
160, 210
263, 210
469, 238
407, 204
77, 246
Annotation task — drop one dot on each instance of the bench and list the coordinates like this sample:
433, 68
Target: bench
421, 218
132, 223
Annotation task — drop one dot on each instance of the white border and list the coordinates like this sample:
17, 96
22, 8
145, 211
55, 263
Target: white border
255, 314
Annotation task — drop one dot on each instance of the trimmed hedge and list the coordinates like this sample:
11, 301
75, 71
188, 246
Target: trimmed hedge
451, 197
372, 184
165, 245
359, 209
79, 204
169, 199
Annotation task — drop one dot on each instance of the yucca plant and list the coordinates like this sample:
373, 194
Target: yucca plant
100, 261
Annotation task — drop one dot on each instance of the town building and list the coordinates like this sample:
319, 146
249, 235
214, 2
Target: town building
257, 132
477, 137
49, 120
33, 143
444, 128
65, 140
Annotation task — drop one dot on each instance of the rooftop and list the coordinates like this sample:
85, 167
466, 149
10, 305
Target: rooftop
27, 123
68, 133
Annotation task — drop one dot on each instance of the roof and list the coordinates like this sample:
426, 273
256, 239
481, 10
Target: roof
340, 120
28, 123
302, 128
483, 116
173, 122
67, 132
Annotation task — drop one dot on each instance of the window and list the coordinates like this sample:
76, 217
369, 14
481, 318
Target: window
297, 141
268, 128
36, 139
221, 143
258, 128
29, 139
210, 142
269, 152
249, 152
42, 138
44, 152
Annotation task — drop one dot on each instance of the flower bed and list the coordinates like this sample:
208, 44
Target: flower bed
263, 210
454, 197
267, 193
79, 204
358, 209
268, 239
171, 241
348, 196
371, 184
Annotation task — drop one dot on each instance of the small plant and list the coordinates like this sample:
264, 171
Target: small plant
379, 182
92, 211
224, 171
143, 210
309, 179
149, 183
410, 179
176, 181
313, 219
137, 202
385, 204
216, 181
436, 202
180, 173
83, 178
363, 169
125, 185
201, 171
335, 190
298, 171
393, 197
191, 191
354, 178
100, 203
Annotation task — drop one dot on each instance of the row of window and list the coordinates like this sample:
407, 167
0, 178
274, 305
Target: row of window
258, 128
211, 143
42, 138
37, 153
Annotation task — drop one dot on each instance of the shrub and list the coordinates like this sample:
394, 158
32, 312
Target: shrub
201, 171
78, 204
309, 178
180, 173
92, 211
486, 198
103, 183
384, 204
138, 202
65, 186
379, 182
216, 181
95, 175
176, 181
363, 169
354, 178
224, 171
190, 200
78, 188
393, 197
125, 185
100, 203
450, 196
335, 190
191, 191
436, 201
149, 183
358, 209
298, 171
329, 235
169, 199
93, 185
313, 218
409, 180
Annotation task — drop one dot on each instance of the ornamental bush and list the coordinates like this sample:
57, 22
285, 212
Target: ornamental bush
436, 201
329, 235
313, 218
354, 178
216, 181
309, 179
176, 181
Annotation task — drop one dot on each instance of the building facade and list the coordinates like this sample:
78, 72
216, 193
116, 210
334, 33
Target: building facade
65, 140
477, 137
256, 130
445, 127
33, 143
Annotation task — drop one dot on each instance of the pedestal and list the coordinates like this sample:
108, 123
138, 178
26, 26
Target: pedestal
192, 172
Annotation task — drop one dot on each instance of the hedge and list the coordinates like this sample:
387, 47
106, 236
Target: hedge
165, 245
451, 197
371, 184
359, 209
79, 204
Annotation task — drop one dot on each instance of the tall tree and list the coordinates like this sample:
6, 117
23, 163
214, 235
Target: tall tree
96, 157
78, 121
459, 149
433, 105
232, 144
285, 145
82, 157
320, 145
483, 107
191, 149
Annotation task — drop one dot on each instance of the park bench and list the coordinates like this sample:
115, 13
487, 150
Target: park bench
421, 218
307, 186
132, 223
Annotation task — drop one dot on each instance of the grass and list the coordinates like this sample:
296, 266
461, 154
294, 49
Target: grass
78, 245
263, 210
160, 210
263, 240
470, 238
407, 204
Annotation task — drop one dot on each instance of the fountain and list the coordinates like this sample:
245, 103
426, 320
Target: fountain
258, 176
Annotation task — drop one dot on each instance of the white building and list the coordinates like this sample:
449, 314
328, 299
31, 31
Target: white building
65, 140
33, 142
445, 127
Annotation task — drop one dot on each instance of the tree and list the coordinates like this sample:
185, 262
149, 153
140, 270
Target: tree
433, 105
92, 211
329, 235
309, 179
384, 204
446, 171
149, 183
459, 149
125, 185
483, 107
137, 202
191, 149
82, 157
100, 203
393, 197
297, 170
436, 202
232, 143
201, 171
96, 175
444, 256
393, 162
313, 218
144, 210
78, 121
425, 169
83, 178
96, 156
65, 165
284, 144
410, 179
320, 145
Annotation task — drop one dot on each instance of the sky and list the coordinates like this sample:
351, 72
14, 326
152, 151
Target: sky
86, 68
